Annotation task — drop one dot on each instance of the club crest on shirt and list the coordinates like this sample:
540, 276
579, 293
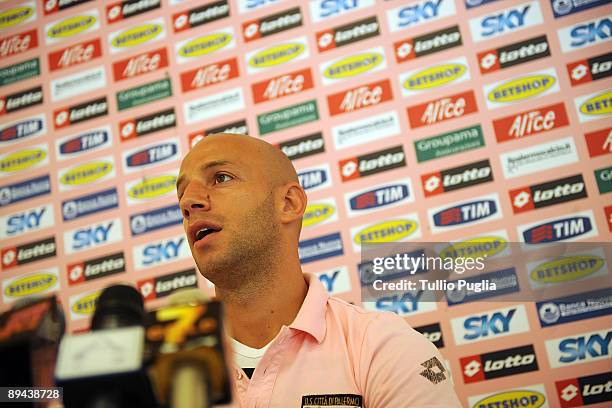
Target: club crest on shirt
332, 400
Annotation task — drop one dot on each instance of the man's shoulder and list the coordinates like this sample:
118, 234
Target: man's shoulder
356, 318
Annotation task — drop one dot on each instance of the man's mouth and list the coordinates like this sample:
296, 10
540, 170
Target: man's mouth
204, 232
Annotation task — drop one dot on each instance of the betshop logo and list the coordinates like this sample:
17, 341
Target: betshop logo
361, 97
348, 34
121, 10
80, 113
144, 125
75, 54
546, 194
588, 390
530, 123
431, 43
457, 178
140, 64
211, 74
442, 109
591, 69
273, 24
161, 286
513, 54
599, 142
283, 85
18, 43
95, 268
498, 364
14, 256
200, 15
21, 100
372, 163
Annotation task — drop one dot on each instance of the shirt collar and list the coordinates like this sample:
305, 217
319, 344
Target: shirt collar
311, 317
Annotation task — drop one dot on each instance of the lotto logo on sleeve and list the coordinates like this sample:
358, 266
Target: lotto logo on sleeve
547, 194
592, 69
457, 178
497, 364
599, 142
372, 163
483, 209
80, 113
442, 109
200, 15
360, 97
513, 54
29, 252
588, 390
506, 21
96, 268
347, 34
427, 44
531, 122
275, 23
164, 285
287, 84
568, 228
18, 43
121, 10
75, 54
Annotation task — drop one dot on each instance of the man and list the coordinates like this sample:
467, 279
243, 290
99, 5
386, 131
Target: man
242, 209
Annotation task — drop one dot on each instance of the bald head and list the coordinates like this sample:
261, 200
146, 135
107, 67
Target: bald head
270, 159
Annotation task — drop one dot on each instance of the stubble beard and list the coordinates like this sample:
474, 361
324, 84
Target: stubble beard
244, 269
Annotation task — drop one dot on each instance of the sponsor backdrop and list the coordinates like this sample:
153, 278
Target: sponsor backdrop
431, 120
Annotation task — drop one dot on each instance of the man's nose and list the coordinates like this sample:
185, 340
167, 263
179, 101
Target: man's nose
195, 198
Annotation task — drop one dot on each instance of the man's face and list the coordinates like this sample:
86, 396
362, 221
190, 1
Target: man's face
228, 211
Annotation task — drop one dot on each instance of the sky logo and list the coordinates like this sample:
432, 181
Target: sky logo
22, 129
585, 34
489, 325
163, 251
84, 238
506, 21
324, 9
579, 348
420, 12
26, 221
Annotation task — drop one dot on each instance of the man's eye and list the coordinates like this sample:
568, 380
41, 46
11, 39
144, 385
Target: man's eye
222, 178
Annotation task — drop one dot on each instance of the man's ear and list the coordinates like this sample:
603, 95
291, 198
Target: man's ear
294, 203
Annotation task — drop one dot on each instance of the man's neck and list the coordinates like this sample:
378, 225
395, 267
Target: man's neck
255, 320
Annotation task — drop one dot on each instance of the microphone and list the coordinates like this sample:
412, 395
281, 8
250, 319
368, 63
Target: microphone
186, 338
105, 368
29, 335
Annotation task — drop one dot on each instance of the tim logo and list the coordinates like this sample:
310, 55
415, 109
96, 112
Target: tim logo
311, 179
151, 155
379, 197
465, 213
559, 230
84, 142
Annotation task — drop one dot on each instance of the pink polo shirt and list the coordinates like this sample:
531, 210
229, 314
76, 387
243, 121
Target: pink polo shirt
338, 355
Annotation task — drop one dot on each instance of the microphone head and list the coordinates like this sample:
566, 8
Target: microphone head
118, 306
186, 296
